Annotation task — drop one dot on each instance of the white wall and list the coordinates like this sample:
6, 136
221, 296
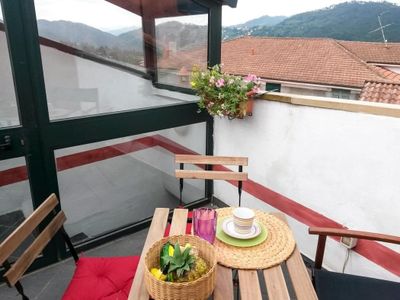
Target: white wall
341, 164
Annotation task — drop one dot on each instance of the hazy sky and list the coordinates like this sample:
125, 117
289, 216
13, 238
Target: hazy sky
103, 15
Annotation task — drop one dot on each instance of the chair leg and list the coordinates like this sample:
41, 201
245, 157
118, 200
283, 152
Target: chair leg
68, 241
180, 186
240, 186
20, 290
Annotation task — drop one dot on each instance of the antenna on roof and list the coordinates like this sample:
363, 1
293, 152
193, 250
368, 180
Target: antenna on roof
381, 28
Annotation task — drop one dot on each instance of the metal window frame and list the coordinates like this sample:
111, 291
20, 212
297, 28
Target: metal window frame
38, 137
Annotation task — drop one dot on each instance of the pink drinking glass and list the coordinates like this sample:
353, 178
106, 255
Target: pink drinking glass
205, 223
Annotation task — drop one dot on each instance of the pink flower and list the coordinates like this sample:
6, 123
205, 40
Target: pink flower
250, 78
220, 83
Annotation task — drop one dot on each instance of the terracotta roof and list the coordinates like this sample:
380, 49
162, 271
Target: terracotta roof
184, 58
381, 92
308, 60
374, 52
388, 74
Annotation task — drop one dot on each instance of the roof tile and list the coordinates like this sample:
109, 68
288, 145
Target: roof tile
383, 92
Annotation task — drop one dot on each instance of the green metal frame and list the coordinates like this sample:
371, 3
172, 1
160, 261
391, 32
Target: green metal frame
38, 137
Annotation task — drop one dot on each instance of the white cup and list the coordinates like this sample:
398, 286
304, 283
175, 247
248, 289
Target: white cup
243, 219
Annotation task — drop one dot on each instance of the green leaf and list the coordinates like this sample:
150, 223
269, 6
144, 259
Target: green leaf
164, 257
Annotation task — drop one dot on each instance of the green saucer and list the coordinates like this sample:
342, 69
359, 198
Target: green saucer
223, 237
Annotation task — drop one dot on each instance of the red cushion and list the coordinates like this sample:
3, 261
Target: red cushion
188, 229
106, 278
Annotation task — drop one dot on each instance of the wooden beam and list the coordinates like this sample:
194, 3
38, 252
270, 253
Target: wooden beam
249, 285
179, 220
276, 284
211, 160
27, 258
14, 240
224, 286
156, 232
216, 175
375, 108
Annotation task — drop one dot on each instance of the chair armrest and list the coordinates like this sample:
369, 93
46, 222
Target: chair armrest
354, 234
323, 232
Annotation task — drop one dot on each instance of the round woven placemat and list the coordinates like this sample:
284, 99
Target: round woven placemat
278, 246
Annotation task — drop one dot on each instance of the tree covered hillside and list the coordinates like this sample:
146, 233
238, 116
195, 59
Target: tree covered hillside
347, 21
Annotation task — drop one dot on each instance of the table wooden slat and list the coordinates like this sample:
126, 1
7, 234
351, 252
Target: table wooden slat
249, 285
179, 220
224, 287
298, 272
276, 284
156, 231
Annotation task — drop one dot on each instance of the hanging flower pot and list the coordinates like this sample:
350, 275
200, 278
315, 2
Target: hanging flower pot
246, 108
225, 95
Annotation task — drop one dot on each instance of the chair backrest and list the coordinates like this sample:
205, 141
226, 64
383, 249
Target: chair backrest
206, 163
15, 271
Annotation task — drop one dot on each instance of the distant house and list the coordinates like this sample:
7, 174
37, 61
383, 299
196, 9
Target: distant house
306, 66
313, 66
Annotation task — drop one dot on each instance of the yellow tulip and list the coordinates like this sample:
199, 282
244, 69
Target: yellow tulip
171, 250
158, 274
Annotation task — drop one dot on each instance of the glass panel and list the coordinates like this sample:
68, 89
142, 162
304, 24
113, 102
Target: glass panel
8, 103
15, 198
92, 54
110, 184
96, 27
181, 45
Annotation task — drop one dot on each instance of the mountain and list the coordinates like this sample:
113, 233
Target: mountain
346, 21
122, 30
263, 21
76, 34
182, 35
127, 46
248, 27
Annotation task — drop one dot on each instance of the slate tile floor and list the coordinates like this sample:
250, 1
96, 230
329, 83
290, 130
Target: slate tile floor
50, 283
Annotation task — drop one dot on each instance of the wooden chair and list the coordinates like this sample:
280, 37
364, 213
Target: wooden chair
207, 163
208, 173
120, 270
338, 286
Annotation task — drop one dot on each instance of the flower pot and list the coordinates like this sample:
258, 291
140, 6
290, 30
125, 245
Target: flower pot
246, 108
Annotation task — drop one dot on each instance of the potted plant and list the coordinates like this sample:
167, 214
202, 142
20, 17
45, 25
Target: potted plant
223, 94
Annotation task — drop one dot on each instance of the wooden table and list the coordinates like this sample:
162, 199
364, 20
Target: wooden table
248, 279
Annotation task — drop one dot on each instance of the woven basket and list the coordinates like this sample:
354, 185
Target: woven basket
199, 289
